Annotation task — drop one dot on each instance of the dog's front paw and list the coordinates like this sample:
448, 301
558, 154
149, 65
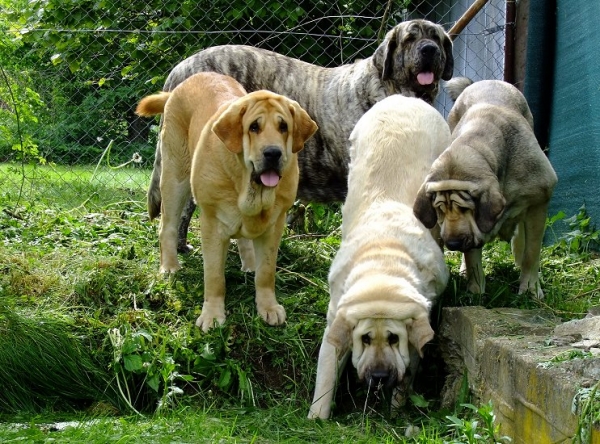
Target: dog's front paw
475, 287
209, 315
318, 411
273, 315
170, 266
534, 288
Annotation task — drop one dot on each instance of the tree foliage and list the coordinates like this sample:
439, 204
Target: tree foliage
92, 60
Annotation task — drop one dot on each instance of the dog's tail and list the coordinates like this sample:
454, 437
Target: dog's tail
152, 105
456, 86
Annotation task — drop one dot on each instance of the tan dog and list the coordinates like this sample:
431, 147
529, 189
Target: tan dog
412, 59
493, 180
244, 177
389, 268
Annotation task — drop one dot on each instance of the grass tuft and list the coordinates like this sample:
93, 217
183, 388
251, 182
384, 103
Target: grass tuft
43, 366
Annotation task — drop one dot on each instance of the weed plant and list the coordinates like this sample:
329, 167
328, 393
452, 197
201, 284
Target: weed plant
88, 325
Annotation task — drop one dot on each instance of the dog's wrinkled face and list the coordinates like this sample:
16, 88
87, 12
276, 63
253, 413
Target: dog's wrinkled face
468, 212
416, 53
455, 210
380, 351
265, 129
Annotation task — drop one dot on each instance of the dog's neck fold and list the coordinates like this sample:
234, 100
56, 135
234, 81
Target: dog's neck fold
255, 198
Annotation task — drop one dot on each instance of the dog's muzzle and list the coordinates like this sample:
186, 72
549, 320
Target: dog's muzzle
381, 377
462, 245
429, 54
269, 172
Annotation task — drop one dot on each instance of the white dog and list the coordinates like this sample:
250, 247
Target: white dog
389, 267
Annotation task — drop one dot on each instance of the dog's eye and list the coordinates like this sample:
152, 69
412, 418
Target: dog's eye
254, 127
283, 127
412, 35
393, 339
366, 339
433, 35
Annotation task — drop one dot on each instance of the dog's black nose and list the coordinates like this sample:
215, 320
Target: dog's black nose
272, 153
379, 377
457, 244
429, 50
454, 244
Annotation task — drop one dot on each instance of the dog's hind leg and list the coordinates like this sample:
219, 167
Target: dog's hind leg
154, 201
517, 243
184, 225
246, 250
153, 197
177, 193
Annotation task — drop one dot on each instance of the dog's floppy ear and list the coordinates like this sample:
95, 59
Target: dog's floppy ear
304, 126
420, 333
490, 207
384, 54
340, 334
423, 208
229, 127
449, 66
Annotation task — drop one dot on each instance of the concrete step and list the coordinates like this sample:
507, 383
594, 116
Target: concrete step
540, 374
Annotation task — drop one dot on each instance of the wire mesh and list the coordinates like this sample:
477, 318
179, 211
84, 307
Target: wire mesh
74, 70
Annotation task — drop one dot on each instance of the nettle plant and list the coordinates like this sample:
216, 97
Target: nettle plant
155, 367
134, 354
583, 236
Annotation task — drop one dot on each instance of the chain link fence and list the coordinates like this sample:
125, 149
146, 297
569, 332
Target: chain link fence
74, 70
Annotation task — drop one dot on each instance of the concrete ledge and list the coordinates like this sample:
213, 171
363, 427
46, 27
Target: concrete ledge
535, 369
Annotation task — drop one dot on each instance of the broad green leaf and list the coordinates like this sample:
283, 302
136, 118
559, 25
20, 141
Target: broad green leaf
133, 362
154, 382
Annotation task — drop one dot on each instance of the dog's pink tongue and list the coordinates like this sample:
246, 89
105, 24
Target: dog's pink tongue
269, 179
425, 78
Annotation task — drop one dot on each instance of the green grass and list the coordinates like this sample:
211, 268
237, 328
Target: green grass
276, 424
74, 187
89, 331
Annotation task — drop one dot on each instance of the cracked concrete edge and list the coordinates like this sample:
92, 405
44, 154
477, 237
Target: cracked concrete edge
501, 351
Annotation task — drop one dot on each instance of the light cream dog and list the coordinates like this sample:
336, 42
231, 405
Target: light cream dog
244, 177
494, 180
389, 268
